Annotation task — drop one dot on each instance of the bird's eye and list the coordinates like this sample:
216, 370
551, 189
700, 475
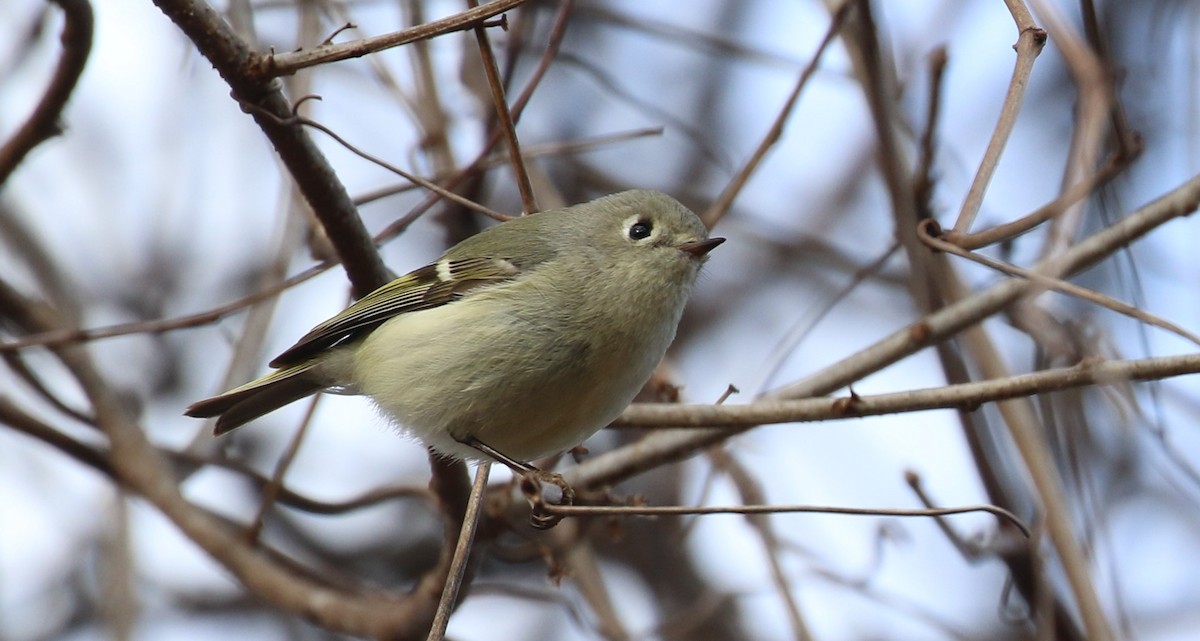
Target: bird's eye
639, 230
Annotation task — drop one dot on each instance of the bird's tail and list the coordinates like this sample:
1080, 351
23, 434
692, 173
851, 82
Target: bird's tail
243, 404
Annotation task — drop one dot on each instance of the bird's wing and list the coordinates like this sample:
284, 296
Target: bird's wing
433, 285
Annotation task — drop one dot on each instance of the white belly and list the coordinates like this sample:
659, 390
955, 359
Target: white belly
520, 386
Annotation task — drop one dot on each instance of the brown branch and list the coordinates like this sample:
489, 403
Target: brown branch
923, 183
274, 486
315, 178
265, 66
20, 367
43, 123
413, 178
724, 201
1030, 40
527, 152
24, 423
139, 467
504, 116
751, 493
673, 445
1073, 194
967, 396
929, 237
300, 502
462, 554
680, 510
969, 550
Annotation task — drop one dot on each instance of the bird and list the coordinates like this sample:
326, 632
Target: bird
517, 343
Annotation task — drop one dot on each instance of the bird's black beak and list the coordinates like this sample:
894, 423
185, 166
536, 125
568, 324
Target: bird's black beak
700, 248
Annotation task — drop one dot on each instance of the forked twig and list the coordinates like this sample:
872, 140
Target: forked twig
928, 235
264, 66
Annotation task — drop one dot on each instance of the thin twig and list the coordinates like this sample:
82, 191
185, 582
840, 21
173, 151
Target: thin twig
817, 313
43, 123
20, 367
275, 485
724, 201
1073, 194
59, 337
292, 499
924, 181
264, 66
24, 423
314, 176
613, 88
504, 116
676, 510
750, 492
462, 552
966, 548
415, 179
1055, 284
527, 152
1030, 40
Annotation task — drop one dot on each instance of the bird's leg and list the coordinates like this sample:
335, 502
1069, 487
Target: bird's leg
532, 478
513, 464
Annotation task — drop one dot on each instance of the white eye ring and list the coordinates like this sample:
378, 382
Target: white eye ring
638, 228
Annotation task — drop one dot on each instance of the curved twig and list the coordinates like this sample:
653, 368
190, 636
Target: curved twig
43, 123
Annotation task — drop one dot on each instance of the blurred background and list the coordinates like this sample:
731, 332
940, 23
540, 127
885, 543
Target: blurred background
162, 199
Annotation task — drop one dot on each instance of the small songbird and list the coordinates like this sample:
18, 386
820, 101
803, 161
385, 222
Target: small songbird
519, 342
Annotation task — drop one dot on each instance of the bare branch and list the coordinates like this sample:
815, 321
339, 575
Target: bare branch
1055, 284
273, 65
1030, 40
967, 396
675, 510
315, 178
462, 553
504, 117
721, 205
661, 447
43, 123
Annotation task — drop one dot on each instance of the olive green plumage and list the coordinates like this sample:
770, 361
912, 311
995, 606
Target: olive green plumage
525, 338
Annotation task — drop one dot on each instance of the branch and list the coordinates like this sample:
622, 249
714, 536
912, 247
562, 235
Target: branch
683, 510
966, 396
927, 231
43, 123
262, 67
22, 422
675, 445
505, 118
1030, 40
141, 469
315, 178
724, 201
